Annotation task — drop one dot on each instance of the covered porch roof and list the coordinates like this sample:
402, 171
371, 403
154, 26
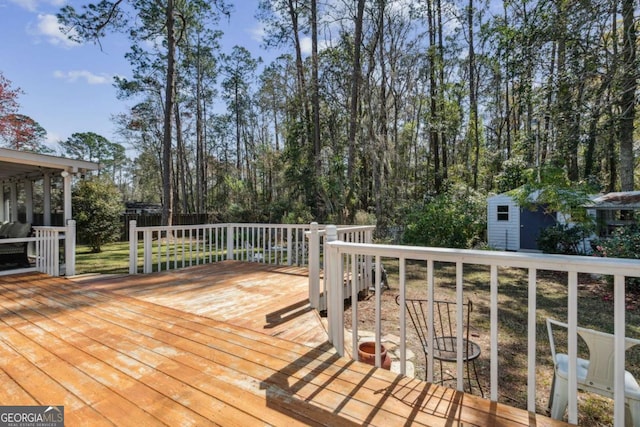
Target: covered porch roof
21, 166
25, 165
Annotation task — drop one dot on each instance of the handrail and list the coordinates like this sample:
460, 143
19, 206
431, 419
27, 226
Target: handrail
340, 254
178, 246
47, 249
317, 239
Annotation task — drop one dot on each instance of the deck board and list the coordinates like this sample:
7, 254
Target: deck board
245, 294
132, 351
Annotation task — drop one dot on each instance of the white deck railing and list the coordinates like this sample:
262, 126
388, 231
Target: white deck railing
179, 246
317, 240
342, 256
47, 250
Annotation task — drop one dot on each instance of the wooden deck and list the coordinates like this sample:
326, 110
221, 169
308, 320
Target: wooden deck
224, 344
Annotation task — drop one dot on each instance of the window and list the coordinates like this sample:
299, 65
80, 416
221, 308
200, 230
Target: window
503, 213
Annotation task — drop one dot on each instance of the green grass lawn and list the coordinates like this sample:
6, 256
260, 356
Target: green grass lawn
114, 259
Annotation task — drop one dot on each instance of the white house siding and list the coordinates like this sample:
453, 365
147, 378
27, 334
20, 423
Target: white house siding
503, 235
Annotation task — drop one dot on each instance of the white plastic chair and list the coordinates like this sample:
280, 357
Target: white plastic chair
595, 375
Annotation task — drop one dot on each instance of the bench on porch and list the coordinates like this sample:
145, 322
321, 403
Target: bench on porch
12, 252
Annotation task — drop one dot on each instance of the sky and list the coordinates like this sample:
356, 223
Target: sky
68, 87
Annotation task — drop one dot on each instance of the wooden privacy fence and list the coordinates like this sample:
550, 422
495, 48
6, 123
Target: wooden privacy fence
155, 220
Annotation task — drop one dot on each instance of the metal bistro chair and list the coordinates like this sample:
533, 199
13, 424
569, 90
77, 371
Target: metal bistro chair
595, 375
444, 334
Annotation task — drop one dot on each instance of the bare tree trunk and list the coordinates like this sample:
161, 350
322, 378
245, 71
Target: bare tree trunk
182, 165
236, 96
353, 110
314, 87
507, 101
201, 190
441, 102
276, 127
302, 85
612, 163
628, 98
167, 205
473, 98
546, 136
380, 176
434, 134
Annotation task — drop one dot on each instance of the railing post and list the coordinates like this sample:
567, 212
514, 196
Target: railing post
39, 248
133, 247
230, 242
314, 265
290, 253
55, 242
619, 311
368, 267
147, 255
70, 248
335, 289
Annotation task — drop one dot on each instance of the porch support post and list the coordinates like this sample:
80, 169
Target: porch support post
66, 176
13, 215
28, 193
46, 200
2, 202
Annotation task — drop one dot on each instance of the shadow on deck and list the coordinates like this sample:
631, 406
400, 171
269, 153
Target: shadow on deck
223, 344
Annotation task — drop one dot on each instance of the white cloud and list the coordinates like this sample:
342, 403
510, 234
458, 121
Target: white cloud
32, 5
49, 28
305, 46
52, 139
88, 76
257, 33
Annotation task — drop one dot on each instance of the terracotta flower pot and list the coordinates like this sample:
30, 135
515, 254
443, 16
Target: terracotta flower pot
367, 354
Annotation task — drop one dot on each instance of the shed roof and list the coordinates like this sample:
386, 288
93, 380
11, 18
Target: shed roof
24, 164
618, 200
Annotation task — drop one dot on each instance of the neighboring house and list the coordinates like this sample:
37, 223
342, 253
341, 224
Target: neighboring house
512, 228
140, 208
614, 210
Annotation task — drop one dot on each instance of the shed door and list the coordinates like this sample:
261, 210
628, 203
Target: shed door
531, 223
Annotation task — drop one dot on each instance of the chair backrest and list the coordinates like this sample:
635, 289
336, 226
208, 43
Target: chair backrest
444, 319
600, 373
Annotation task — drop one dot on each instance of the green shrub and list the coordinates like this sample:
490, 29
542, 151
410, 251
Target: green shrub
97, 206
455, 220
624, 242
564, 239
